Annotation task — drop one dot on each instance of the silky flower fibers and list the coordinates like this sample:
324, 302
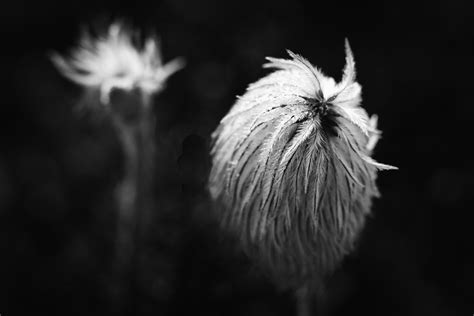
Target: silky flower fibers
292, 169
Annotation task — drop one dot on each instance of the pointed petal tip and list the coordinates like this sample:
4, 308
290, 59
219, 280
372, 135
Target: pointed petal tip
346, 42
271, 62
373, 122
348, 49
176, 64
171, 68
59, 62
291, 53
383, 166
273, 59
378, 165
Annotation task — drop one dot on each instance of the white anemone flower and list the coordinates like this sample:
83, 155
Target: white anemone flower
292, 168
113, 61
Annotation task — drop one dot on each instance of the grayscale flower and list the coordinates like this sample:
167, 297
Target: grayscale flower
292, 168
113, 61
102, 64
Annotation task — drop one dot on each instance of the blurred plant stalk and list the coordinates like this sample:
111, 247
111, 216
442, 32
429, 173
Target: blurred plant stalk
134, 122
126, 77
135, 191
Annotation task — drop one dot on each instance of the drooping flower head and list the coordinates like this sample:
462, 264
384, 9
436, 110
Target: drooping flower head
292, 167
114, 61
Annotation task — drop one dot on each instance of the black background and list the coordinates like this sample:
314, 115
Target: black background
59, 166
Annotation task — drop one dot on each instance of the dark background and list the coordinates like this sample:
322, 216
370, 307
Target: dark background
59, 166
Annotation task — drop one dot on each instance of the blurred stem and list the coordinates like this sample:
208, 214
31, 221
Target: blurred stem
134, 197
310, 300
303, 306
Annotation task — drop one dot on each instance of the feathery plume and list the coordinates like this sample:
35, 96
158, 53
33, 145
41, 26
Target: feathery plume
113, 61
292, 167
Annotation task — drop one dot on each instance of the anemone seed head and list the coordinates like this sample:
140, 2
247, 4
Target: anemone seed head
113, 61
292, 168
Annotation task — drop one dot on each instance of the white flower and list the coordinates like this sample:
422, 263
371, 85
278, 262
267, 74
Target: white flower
113, 61
292, 167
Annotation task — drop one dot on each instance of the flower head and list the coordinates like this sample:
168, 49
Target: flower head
113, 61
292, 167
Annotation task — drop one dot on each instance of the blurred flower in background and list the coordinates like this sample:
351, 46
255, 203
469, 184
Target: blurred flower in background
113, 61
127, 76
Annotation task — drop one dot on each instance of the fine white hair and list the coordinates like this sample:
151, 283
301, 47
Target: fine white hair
292, 168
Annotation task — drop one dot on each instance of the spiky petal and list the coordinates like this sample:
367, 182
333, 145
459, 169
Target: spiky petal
292, 168
113, 61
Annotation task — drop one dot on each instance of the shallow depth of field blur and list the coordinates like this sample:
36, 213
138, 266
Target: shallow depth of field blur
59, 165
